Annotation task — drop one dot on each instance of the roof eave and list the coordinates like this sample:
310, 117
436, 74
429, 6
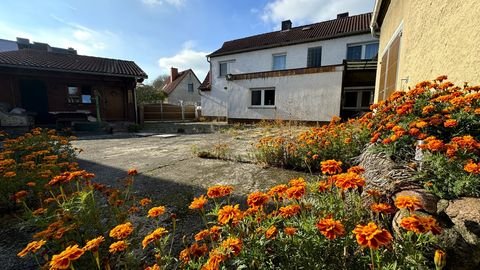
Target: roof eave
145, 76
288, 43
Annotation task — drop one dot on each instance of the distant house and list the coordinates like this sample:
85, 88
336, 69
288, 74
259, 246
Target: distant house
182, 87
8, 45
48, 84
308, 73
420, 40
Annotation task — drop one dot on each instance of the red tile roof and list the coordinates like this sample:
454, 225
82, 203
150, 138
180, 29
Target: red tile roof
171, 86
62, 62
353, 25
206, 86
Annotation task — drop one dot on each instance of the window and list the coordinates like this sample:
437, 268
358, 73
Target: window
357, 99
223, 69
79, 95
190, 87
263, 97
279, 61
314, 57
388, 69
362, 51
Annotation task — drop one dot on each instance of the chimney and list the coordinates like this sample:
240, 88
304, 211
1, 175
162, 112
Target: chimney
173, 74
286, 25
342, 15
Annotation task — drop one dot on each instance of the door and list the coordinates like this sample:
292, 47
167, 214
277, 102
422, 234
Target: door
35, 99
114, 104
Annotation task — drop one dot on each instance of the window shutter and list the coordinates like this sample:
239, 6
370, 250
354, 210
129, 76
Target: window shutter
389, 69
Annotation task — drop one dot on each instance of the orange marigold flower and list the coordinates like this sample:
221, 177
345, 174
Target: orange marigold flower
39, 211
271, 232
153, 267
381, 208
257, 199
290, 231
64, 259
349, 180
421, 124
441, 78
374, 193
132, 172
420, 224
331, 166
450, 123
323, 186
411, 203
121, 231
289, 210
219, 191
201, 235
198, 203
356, 169
330, 228
297, 182
145, 201
156, 211
9, 174
94, 243
32, 247
372, 236
215, 259
229, 214
471, 167
31, 184
278, 191
428, 109
296, 192
232, 245
19, 195
154, 236
118, 246
434, 145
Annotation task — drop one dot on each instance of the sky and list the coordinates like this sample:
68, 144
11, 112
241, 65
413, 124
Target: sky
159, 34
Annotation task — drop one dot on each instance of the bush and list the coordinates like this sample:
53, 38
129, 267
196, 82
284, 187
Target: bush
440, 119
340, 141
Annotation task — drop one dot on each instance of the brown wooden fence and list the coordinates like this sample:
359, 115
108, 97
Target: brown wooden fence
167, 112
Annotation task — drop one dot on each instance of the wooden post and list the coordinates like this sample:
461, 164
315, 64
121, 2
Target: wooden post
183, 112
141, 114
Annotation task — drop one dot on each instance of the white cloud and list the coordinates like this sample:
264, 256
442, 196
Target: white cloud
186, 58
310, 11
176, 3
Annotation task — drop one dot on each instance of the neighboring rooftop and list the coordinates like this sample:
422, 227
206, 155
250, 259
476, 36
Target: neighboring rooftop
174, 79
344, 25
68, 62
206, 85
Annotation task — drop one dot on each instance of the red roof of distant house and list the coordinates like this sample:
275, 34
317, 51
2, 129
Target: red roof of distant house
346, 26
205, 86
169, 87
62, 62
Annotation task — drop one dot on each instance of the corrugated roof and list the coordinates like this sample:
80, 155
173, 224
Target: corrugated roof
42, 60
352, 25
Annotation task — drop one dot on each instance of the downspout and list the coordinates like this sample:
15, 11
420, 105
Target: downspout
374, 28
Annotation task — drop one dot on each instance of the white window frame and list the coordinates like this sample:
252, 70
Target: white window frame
262, 98
276, 55
360, 90
228, 63
364, 48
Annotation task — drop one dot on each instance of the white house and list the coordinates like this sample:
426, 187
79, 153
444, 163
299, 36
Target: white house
297, 73
182, 87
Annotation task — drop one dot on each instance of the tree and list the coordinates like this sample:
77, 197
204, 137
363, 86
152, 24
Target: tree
152, 93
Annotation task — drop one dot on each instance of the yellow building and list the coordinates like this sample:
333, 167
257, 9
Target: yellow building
422, 39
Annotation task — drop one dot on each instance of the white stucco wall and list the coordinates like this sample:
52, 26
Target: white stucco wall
334, 51
311, 97
181, 91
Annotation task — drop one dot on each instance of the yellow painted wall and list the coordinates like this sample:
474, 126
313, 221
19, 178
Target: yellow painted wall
440, 37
